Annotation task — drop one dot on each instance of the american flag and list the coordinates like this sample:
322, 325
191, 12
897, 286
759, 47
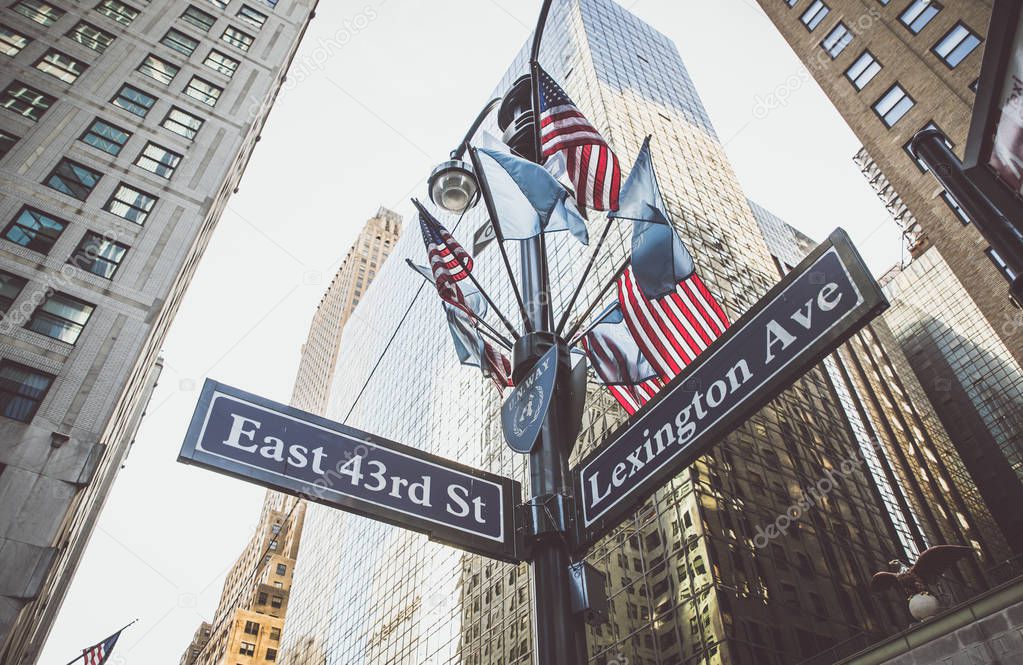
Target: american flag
592, 165
97, 655
673, 330
449, 262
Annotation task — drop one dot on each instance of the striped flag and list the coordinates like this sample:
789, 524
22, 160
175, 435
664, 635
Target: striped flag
592, 165
450, 264
97, 655
673, 330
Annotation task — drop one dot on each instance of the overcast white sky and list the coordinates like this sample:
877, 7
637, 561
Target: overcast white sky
359, 126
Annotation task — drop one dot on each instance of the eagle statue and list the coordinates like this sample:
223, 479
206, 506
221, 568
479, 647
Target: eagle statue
914, 580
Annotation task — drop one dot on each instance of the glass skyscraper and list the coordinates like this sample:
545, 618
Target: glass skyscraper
689, 579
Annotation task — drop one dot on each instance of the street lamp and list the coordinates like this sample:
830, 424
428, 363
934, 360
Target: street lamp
453, 186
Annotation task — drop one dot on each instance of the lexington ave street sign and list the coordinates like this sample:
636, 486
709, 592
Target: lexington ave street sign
806, 316
286, 449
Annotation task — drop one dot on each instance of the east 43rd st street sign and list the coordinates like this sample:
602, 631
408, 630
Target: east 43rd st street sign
286, 449
827, 298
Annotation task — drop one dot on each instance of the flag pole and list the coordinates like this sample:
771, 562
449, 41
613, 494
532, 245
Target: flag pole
593, 324
586, 273
488, 200
596, 301
429, 220
534, 95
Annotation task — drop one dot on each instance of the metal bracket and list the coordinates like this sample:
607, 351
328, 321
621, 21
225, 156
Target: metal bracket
549, 514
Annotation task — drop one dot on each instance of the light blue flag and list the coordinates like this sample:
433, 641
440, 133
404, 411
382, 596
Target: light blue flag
468, 342
528, 198
660, 259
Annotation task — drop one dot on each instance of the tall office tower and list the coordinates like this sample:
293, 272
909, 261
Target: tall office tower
250, 618
360, 266
199, 640
124, 128
959, 358
689, 580
892, 69
974, 383
247, 626
922, 479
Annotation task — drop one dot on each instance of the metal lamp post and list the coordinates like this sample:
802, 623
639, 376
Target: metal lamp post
559, 635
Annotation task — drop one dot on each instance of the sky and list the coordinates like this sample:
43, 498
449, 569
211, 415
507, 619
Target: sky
380, 92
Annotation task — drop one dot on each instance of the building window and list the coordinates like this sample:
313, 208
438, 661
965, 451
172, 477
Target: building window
91, 36
204, 91
276, 602
219, 4
862, 72
106, 137
74, 179
237, 38
134, 101
159, 160
275, 634
12, 42
35, 230
43, 13
955, 207
1000, 263
180, 42
251, 628
197, 17
919, 14
99, 255
893, 105
271, 654
791, 3
219, 62
252, 17
10, 286
956, 45
26, 101
247, 649
909, 150
282, 569
61, 317
120, 12
814, 14
61, 65
7, 141
837, 40
261, 599
22, 390
158, 70
182, 123
131, 204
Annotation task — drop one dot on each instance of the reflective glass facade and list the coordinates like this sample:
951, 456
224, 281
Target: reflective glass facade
692, 577
971, 377
920, 476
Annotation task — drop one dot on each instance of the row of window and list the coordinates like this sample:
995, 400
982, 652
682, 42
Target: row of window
38, 231
951, 49
252, 628
46, 14
249, 649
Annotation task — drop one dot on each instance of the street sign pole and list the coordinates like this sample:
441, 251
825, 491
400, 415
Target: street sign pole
559, 634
